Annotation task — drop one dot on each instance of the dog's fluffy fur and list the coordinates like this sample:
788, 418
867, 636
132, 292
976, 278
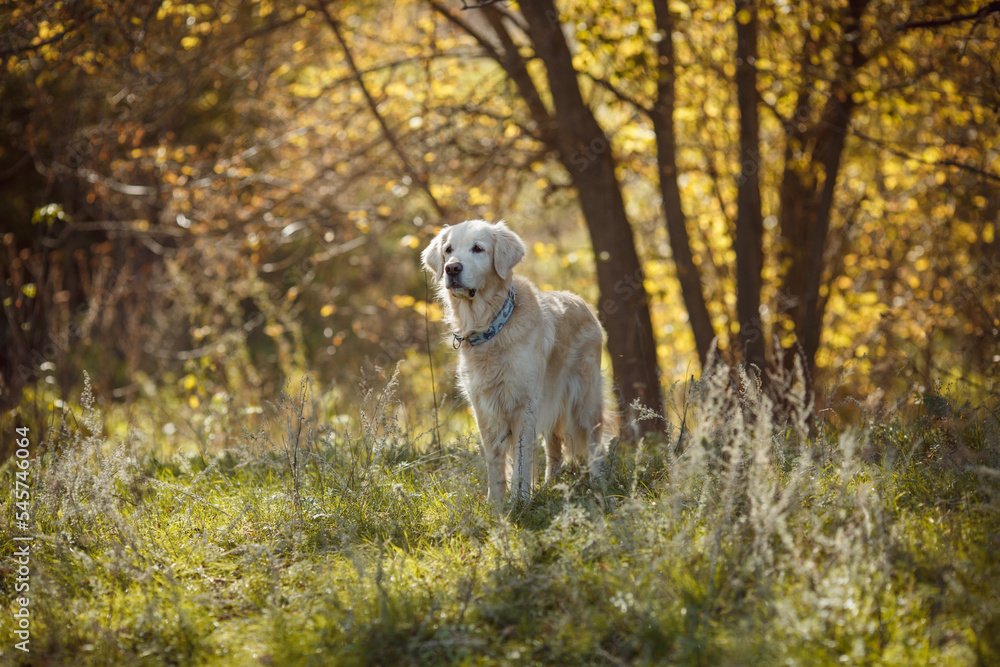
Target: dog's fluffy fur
540, 374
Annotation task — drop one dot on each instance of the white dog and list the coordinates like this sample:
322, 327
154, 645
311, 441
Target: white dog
529, 361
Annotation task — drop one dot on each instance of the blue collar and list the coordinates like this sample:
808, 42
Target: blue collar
477, 337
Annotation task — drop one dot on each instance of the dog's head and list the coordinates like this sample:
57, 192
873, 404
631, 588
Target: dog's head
473, 256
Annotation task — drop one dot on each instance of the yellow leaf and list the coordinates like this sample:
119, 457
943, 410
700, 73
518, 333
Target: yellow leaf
867, 298
403, 300
932, 154
189, 381
30, 290
439, 191
194, 402
327, 310
190, 42
681, 9
478, 197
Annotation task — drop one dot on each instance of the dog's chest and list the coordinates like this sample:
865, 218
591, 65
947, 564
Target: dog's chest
499, 377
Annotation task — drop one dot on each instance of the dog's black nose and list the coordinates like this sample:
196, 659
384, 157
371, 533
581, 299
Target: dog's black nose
453, 269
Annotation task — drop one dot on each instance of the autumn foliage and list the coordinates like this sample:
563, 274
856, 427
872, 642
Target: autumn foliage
212, 198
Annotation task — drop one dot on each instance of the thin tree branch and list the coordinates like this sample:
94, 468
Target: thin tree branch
465, 26
512, 64
420, 178
517, 69
619, 94
993, 7
479, 5
26, 48
934, 163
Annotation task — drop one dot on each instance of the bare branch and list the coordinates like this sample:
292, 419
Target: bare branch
511, 62
418, 177
618, 93
27, 48
517, 68
993, 7
479, 5
934, 163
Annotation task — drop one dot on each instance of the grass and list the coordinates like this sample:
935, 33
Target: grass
741, 539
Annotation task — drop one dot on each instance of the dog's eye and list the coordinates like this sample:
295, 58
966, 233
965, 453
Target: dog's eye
447, 249
477, 248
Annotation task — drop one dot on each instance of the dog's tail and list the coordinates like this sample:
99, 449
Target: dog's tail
604, 432
610, 426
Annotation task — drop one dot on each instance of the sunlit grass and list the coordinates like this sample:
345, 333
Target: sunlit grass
750, 536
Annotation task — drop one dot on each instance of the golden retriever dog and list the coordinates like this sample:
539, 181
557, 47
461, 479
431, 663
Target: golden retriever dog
529, 361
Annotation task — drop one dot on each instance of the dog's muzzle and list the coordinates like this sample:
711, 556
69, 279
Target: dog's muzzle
453, 280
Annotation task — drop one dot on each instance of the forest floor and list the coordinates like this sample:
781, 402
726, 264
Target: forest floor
733, 540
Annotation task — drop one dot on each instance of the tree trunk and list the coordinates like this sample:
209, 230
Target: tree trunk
749, 219
835, 121
585, 152
808, 187
666, 156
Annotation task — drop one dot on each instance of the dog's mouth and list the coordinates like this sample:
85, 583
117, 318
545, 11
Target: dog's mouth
460, 290
463, 292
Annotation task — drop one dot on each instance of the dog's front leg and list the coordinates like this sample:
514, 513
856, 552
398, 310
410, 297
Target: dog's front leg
523, 446
495, 445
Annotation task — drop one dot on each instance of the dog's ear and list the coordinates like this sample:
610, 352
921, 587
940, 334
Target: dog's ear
432, 256
508, 249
